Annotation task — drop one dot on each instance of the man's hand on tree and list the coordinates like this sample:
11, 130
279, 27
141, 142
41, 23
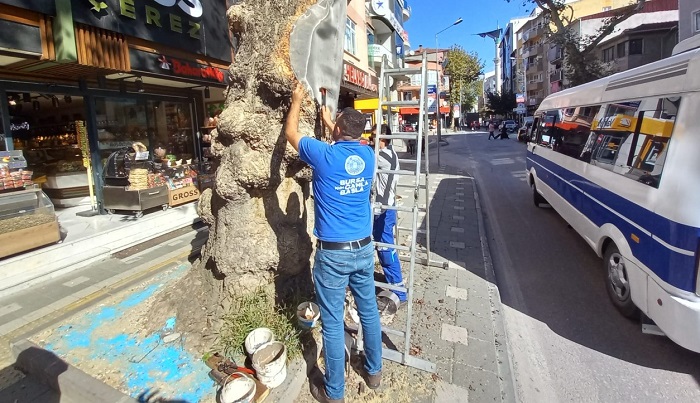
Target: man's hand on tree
326, 117
298, 94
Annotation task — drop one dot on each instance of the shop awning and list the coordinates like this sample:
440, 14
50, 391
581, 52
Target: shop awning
414, 111
370, 105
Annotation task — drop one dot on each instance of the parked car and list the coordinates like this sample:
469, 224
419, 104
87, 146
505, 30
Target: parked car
511, 126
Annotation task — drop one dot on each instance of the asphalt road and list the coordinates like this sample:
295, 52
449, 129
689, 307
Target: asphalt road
568, 342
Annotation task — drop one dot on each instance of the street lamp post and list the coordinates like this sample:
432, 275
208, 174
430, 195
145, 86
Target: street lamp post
437, 88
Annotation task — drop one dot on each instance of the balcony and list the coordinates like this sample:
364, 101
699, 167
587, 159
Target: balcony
534, 85
375, 53
535, 50
406, 11
555, 54
534, 32
558, 75
535, 67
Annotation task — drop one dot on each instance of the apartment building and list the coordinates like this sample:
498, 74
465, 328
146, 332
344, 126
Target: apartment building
645, 37
508, 49
689, 18
438, 83
538, 65
380, 34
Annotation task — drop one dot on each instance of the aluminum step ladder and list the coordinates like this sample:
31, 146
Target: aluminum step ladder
419, 171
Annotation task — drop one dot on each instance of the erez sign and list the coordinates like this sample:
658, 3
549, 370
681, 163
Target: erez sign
193, 8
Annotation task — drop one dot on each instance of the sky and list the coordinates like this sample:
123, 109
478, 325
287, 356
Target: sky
431, 16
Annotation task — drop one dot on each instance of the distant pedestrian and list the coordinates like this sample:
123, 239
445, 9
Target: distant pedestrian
492, 128
504, 131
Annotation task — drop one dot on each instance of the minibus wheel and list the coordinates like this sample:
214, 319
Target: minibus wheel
617, 282
536, 197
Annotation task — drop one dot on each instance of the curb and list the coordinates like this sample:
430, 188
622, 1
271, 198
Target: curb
505, 365
68, 381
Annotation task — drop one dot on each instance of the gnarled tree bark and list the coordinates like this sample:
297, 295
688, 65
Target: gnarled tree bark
259, 213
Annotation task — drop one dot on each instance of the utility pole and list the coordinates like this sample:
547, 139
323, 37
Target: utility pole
437, 89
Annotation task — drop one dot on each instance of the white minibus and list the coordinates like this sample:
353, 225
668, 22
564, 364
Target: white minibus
619, 160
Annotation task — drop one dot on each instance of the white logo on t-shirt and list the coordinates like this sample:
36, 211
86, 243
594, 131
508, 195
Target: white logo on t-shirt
354, 165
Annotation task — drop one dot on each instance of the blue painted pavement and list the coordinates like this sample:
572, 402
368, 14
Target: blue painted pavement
145, 362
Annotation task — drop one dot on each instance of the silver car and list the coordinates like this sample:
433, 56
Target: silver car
511, 126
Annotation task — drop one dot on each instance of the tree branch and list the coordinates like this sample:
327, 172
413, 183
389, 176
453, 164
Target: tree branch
615, 21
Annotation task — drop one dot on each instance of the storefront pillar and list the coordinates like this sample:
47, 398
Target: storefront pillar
95, 158
5, 119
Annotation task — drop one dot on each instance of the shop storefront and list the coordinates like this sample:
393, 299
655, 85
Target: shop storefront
359, 90
105, 106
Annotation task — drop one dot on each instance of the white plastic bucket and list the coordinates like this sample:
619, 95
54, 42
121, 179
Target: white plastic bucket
270, 363
257, 338
304, 321
238, 390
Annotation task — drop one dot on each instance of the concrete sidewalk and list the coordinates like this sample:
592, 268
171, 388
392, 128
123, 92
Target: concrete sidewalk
456, 322
457, 311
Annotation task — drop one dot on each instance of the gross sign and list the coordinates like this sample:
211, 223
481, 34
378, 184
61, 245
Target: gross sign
183, 195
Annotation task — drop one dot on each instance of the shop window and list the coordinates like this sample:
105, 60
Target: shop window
621, 49
350, 42
609, 54
696, 21
2, 135
43, 127
636, 46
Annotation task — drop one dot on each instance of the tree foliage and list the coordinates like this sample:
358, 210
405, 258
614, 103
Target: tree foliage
500, 103
581, 62
464, 69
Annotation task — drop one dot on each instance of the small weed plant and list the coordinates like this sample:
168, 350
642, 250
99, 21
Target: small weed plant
255, 310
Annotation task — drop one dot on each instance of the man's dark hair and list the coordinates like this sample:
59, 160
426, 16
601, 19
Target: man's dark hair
351, 123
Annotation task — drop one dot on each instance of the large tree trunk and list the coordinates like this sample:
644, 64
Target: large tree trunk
260, 213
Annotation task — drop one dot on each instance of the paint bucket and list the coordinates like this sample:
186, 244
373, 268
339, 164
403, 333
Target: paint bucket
257, 338
270, 363
308, 314
238, 390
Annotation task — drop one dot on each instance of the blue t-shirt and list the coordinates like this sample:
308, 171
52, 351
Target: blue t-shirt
342, 179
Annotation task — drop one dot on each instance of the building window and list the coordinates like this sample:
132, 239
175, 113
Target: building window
696, 21
621, 49
350, 44
609, 54
636, 46
370, 37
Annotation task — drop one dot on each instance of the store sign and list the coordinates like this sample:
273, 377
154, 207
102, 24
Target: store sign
185, 69
361, 78
192, 25
381, 8
20, 126
183, 195
174, 67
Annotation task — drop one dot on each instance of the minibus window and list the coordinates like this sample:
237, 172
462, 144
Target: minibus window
571, 133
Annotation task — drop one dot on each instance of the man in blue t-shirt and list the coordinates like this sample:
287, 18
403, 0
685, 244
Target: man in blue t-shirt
342, 180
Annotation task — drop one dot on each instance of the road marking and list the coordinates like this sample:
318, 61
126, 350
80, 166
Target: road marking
459, 200
458, 293
457, 229
454, 334
76, 281
459, 194
458, 217
459, 188
458, 207
8, 309
502, 161
458, 245
131, 259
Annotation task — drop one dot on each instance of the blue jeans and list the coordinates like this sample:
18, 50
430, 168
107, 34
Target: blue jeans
334, 270
383, 231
